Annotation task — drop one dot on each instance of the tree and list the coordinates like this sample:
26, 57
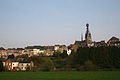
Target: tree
1, 66
47, 64
64, 54
11, 56
88, 65
103, 57
42, 63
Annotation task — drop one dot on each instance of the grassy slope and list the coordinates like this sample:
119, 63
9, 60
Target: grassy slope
98, 75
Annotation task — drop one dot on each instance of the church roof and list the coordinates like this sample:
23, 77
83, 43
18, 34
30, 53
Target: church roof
79, 42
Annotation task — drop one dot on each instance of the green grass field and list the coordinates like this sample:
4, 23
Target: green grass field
88, 75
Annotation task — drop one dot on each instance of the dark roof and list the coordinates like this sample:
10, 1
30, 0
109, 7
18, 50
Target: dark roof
114, 38
35, 47
25, 62
118, 42
19, 49
12, 60
79, 42
4, 60
1, 48
11, 49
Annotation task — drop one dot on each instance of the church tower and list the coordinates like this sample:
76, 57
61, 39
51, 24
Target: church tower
88, 38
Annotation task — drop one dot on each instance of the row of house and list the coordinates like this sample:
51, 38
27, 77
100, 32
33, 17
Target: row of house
5, 53
50, 50
13, 65
34, 50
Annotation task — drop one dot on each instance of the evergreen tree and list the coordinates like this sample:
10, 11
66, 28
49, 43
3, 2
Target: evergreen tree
1, 66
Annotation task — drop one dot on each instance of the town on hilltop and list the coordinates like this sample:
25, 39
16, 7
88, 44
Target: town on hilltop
12, 61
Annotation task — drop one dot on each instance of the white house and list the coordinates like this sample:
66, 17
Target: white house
23, 65
69, 51
15, 65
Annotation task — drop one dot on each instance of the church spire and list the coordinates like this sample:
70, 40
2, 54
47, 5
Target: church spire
87, 25
88, 38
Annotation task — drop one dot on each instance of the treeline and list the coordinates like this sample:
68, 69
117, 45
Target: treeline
96, 58
86, 58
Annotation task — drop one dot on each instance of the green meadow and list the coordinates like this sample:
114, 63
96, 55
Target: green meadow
83, 75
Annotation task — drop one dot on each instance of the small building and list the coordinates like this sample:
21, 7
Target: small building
23, 65
101, 43
15, 65
5, 53
69, 51
60, 48
113, 41
74, 47
7, 64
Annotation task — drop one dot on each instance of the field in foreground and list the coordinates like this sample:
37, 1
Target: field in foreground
88, 75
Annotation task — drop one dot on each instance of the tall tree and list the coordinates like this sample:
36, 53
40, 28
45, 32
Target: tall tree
1, 66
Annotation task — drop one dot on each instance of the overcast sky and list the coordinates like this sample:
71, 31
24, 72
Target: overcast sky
49, 22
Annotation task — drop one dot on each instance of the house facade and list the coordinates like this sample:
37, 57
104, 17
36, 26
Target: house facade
12, 65
114, 41
7, 64
24, 65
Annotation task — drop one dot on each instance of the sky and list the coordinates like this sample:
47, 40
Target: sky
50, 22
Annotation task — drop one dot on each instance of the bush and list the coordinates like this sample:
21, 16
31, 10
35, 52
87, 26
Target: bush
89, 65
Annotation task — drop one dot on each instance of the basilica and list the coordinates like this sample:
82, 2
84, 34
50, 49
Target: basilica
88, 39
88, 42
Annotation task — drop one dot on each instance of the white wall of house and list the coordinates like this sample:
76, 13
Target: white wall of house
56, 48
36, 51
14, 64
23, 66
69, 51
41, 51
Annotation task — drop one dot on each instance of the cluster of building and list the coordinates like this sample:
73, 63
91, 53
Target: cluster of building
114, 41
23, 65
50, 50
14, 65
34, 51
